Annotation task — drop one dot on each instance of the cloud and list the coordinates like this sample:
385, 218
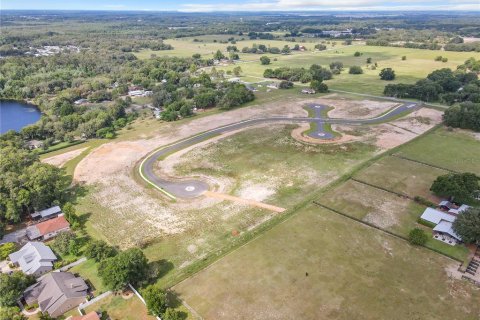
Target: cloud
334, 5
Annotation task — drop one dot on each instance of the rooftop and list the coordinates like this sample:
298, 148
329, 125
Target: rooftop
33, 256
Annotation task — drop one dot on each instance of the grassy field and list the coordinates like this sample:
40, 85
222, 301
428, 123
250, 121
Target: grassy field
456, 150
402, 176
319, 265
418, 64
269, 161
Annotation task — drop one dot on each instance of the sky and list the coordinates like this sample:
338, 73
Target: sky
242, 5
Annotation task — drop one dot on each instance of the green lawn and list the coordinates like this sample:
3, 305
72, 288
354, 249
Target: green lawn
117, 308
455, 150
88, 271
402, 176
319, 265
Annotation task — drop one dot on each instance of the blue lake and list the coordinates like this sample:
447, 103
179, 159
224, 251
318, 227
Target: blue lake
15, 115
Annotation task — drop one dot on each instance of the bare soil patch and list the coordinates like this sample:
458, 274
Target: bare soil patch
61, 159
356, 109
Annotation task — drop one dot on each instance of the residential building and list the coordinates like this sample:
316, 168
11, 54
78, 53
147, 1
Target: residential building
435, 216
48, 229
443, 231
57, 293
47, 213
34, 258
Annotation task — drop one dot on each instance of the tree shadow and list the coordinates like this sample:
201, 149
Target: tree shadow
159, 268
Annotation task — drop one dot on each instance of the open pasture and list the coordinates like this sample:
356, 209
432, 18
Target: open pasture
457, 150
319, 265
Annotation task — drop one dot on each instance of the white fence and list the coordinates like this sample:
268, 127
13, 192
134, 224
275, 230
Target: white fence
90, 302
140, 297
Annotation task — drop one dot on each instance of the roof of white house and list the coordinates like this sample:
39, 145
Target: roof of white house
435, 216
447, 204
33, 256
460, 209
446, 227
47, 212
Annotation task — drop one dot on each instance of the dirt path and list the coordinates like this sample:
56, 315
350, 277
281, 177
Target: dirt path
243, 201
61, 159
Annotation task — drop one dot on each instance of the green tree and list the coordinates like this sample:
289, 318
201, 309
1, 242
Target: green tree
218, 55
369, 60
318, 86
462, 187
417, 237
172, 314
6, 249
387, 74
62, 241
357, 54
11, 313
264, 60
130, 266
12, 287
467, 225
156, 300
237, 70
99, 250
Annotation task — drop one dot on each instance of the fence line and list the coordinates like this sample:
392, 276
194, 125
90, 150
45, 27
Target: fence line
140, 297
424, 163
84, 305
71, 265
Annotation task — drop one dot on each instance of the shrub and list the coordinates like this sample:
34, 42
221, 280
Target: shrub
387, 74
264, 60
355, 70
417, 237
285, 84
357, 54
424, 201
404, 58
156, 300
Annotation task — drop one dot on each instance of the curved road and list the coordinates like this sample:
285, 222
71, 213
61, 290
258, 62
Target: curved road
194, 188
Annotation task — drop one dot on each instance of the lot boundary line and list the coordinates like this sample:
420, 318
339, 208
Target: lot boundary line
424, 163
399, 194
383, 230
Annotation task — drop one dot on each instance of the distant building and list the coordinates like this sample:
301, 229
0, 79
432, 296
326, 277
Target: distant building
80, 101
443, 231
308, 91
57, 293
48, 229
34, 258
458, 210
34, 144
47, 213
435, 216
136, 93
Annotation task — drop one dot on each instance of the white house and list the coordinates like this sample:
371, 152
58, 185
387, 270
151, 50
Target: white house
47, 213
34, 258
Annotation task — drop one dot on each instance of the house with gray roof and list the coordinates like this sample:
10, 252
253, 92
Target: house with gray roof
435, 216
47, 213
34, 258
443, 231
57, 293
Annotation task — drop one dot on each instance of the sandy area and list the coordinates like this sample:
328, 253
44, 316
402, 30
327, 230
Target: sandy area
61, 159
297, 134
356, 109
392, 134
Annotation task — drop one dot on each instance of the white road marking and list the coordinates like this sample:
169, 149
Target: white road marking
190, 188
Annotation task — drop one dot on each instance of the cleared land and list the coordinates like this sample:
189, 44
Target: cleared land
117, 308
318, 265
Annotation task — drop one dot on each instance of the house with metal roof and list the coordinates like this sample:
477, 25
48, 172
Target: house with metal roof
34, 258
47, 213
459, 210
57, 293
48, 229
443, 231
435, 216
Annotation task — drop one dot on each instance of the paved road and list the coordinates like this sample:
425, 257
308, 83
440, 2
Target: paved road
194, 188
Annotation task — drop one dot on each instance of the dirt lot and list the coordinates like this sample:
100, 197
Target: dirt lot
61, 159
355, 109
